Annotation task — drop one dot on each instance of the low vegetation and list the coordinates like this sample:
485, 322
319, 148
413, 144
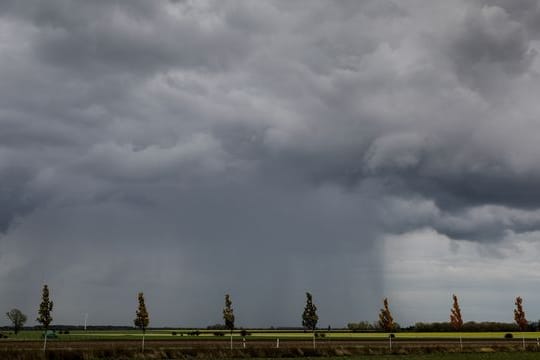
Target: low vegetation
371, 353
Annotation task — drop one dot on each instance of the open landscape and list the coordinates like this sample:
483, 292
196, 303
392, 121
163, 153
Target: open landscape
164, 343
266, 335
269, 179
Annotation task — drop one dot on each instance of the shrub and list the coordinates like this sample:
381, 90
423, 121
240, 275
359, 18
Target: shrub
508, 336
216, 327
173, 333
219, 333
391, 336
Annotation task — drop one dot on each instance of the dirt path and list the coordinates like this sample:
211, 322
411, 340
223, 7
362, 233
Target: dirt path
222, 344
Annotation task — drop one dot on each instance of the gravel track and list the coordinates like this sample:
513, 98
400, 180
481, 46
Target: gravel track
224, 344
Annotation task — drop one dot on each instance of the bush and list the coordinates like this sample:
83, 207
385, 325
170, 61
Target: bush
219, 333
216, 327
194, 333
320, 335
508, 336
360, 326
244, 333
173, 333
391, 336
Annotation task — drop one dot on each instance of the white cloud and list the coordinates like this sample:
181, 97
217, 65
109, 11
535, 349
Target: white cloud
423, 268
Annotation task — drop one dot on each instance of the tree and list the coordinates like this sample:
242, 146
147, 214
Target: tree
455, 318
360, 326
44, 312
386, 321
309, 316
17, 318
519, 314
228, 315
519, 317
142, 319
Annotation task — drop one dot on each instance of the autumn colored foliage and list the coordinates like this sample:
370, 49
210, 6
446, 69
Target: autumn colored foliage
519, 314
455, 314
386, 321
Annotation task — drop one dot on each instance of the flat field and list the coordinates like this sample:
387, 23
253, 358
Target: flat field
183, 334
262, 344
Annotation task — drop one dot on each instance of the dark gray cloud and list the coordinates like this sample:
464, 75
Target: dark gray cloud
262, 148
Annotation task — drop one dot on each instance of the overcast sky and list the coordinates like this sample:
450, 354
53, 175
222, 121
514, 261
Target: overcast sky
354, 149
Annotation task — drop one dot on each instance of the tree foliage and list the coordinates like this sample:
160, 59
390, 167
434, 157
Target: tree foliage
360, 326
17, 318
455, 314
45, 309
386, 321
310, 317
519, 314
142, 319
228, 314
470, 326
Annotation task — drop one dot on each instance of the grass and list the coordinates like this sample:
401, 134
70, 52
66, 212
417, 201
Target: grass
263, 335
465, 356
328, 354
20, 350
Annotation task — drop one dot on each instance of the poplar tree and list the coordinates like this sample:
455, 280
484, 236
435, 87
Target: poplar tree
455, 314
455, 318
519, 317
310, 317
142, 319
44, 313
228, 315
519, 314
386, 321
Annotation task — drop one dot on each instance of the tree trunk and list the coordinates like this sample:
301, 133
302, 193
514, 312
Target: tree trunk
460, 343
231, 339
45, 341
143, 341
314, 339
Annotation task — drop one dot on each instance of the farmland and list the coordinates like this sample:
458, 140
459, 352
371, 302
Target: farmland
254, 334
178, 343
268, 338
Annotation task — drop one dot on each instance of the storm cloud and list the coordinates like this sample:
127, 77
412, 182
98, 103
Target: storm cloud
192, 148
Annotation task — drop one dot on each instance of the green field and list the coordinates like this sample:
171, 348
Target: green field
263, 335
112, 344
